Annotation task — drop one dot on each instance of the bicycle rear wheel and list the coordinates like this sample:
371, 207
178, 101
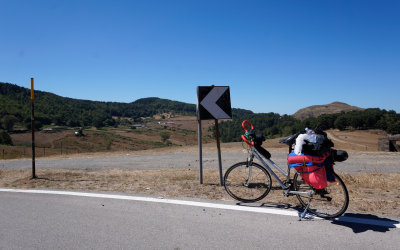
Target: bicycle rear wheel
247, 183
330, 202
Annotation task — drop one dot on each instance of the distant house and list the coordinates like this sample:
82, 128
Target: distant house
167, 123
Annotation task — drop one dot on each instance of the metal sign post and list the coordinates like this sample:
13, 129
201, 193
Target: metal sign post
33, 130
200, 151
213, 103
219, 152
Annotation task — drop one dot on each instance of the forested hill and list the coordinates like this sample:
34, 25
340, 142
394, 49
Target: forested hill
273, 125
51, 108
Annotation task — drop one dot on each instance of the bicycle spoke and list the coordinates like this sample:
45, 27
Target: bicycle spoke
247, 184
329, 202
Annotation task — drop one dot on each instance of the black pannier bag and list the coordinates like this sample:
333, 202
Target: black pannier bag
258, 140
339, 155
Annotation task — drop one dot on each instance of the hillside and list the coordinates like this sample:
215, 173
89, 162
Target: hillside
153, 123
63, 111
317, 110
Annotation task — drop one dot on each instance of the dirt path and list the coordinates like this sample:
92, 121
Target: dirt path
334, 138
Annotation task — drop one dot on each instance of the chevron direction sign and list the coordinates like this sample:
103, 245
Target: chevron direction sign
214, 102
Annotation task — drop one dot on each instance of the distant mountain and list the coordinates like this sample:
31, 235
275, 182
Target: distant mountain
317, 110
51, 108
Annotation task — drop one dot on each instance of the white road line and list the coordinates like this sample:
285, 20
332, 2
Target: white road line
384, 223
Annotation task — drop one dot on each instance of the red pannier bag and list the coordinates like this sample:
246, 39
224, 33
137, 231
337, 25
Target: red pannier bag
311, 168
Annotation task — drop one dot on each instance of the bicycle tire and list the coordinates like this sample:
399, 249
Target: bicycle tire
237, 186
330, 202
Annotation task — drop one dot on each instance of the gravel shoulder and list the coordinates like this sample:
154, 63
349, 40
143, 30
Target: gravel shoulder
188, 158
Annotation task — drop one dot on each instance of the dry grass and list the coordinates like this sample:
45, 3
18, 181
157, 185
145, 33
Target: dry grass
374, 192
369, 193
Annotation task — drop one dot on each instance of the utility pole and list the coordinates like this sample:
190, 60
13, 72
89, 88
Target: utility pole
33, 130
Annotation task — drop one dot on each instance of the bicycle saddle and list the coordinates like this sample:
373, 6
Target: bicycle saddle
289, 140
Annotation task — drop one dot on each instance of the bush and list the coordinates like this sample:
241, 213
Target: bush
38, 125
165, 136
5, 138
8, 122
394, 128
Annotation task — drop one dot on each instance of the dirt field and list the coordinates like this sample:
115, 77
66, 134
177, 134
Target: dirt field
180, 131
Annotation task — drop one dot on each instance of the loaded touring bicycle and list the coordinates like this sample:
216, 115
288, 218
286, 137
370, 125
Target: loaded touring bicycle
318, 188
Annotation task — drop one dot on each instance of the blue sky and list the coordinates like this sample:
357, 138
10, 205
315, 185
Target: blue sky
276, 56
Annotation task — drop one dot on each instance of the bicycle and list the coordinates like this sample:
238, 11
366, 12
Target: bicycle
250, 182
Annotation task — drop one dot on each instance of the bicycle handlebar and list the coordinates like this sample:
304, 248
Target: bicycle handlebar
248, 123
245, 136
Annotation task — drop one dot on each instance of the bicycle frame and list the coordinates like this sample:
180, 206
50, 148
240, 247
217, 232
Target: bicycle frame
286, 187
286, 174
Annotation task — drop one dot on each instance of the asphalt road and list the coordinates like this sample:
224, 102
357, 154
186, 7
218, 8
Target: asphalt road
357, 162
51, 221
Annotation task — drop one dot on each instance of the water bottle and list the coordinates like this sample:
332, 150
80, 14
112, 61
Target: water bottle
311, 136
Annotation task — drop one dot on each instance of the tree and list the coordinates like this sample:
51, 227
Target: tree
98, 120
356, 122
5, 138
394, 128
8, 122
341, 123
38, 125
165, 136
110, 122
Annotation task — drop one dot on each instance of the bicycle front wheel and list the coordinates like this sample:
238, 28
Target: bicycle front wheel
247, 183
330, 202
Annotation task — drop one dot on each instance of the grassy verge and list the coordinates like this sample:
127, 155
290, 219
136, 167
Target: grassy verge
369, 193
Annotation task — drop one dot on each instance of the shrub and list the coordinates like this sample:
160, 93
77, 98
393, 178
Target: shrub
165, 136
5, 138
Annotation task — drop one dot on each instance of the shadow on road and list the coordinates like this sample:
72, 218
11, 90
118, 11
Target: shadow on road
363, 222
359, 223
274, 205
269, 205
